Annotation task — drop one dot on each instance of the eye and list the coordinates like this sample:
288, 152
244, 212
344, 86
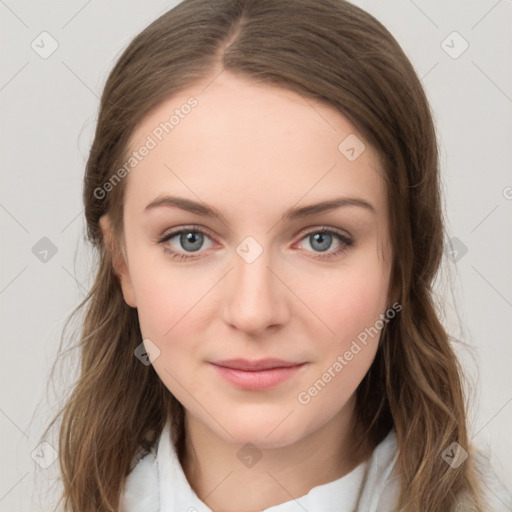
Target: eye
189, 239
321, 240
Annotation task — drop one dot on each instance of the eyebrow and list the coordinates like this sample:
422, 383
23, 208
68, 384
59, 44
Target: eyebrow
290, 214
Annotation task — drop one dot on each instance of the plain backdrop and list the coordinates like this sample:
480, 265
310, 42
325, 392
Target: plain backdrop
460, 49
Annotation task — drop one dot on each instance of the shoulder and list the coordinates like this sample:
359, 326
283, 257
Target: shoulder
381, 483
140, 491
383, 480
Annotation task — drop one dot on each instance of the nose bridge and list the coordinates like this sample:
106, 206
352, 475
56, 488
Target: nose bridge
256, 295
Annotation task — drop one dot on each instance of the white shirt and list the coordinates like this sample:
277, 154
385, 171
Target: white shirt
158, 484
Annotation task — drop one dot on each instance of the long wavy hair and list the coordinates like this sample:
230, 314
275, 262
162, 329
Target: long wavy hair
329, 50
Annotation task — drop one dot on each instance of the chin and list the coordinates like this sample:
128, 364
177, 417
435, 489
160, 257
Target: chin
260, 439
265, 434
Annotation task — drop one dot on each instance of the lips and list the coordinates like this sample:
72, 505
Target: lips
257, 375
255, 365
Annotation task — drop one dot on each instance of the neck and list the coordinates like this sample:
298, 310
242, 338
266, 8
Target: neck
224, 484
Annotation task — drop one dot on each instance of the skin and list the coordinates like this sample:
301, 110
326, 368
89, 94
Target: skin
252, 151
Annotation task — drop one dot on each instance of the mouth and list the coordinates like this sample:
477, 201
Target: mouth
255, 365
258, 374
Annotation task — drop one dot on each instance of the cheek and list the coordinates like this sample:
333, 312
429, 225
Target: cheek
349, 300
353, 312
167, 296
350, 304
362, 298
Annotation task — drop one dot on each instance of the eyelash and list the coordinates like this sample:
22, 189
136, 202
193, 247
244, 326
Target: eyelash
345, 242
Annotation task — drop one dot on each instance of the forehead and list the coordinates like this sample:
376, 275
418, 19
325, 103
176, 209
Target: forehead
232, 140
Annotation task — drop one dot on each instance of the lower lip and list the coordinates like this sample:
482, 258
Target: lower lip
257, 380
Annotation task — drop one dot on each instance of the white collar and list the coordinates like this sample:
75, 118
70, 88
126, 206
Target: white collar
158, 483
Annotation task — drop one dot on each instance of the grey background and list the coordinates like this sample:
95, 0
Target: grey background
49, 109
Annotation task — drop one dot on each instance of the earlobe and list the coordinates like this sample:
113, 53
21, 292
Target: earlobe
118, 261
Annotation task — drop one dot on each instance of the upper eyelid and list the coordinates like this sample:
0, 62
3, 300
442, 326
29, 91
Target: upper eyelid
176, 231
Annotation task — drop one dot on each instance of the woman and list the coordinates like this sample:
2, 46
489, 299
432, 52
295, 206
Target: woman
292, 357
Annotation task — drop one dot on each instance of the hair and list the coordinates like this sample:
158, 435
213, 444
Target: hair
331, 51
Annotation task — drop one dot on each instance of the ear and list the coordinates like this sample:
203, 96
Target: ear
118, 261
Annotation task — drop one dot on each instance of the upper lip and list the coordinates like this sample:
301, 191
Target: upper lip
258, 364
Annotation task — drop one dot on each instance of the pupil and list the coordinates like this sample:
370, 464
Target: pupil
319, 237
192, 238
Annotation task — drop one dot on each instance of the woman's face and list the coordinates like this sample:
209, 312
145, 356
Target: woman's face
260, 280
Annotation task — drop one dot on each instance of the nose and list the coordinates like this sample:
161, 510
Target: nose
256, 295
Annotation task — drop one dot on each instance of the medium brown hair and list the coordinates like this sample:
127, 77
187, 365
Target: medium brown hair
332, 51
